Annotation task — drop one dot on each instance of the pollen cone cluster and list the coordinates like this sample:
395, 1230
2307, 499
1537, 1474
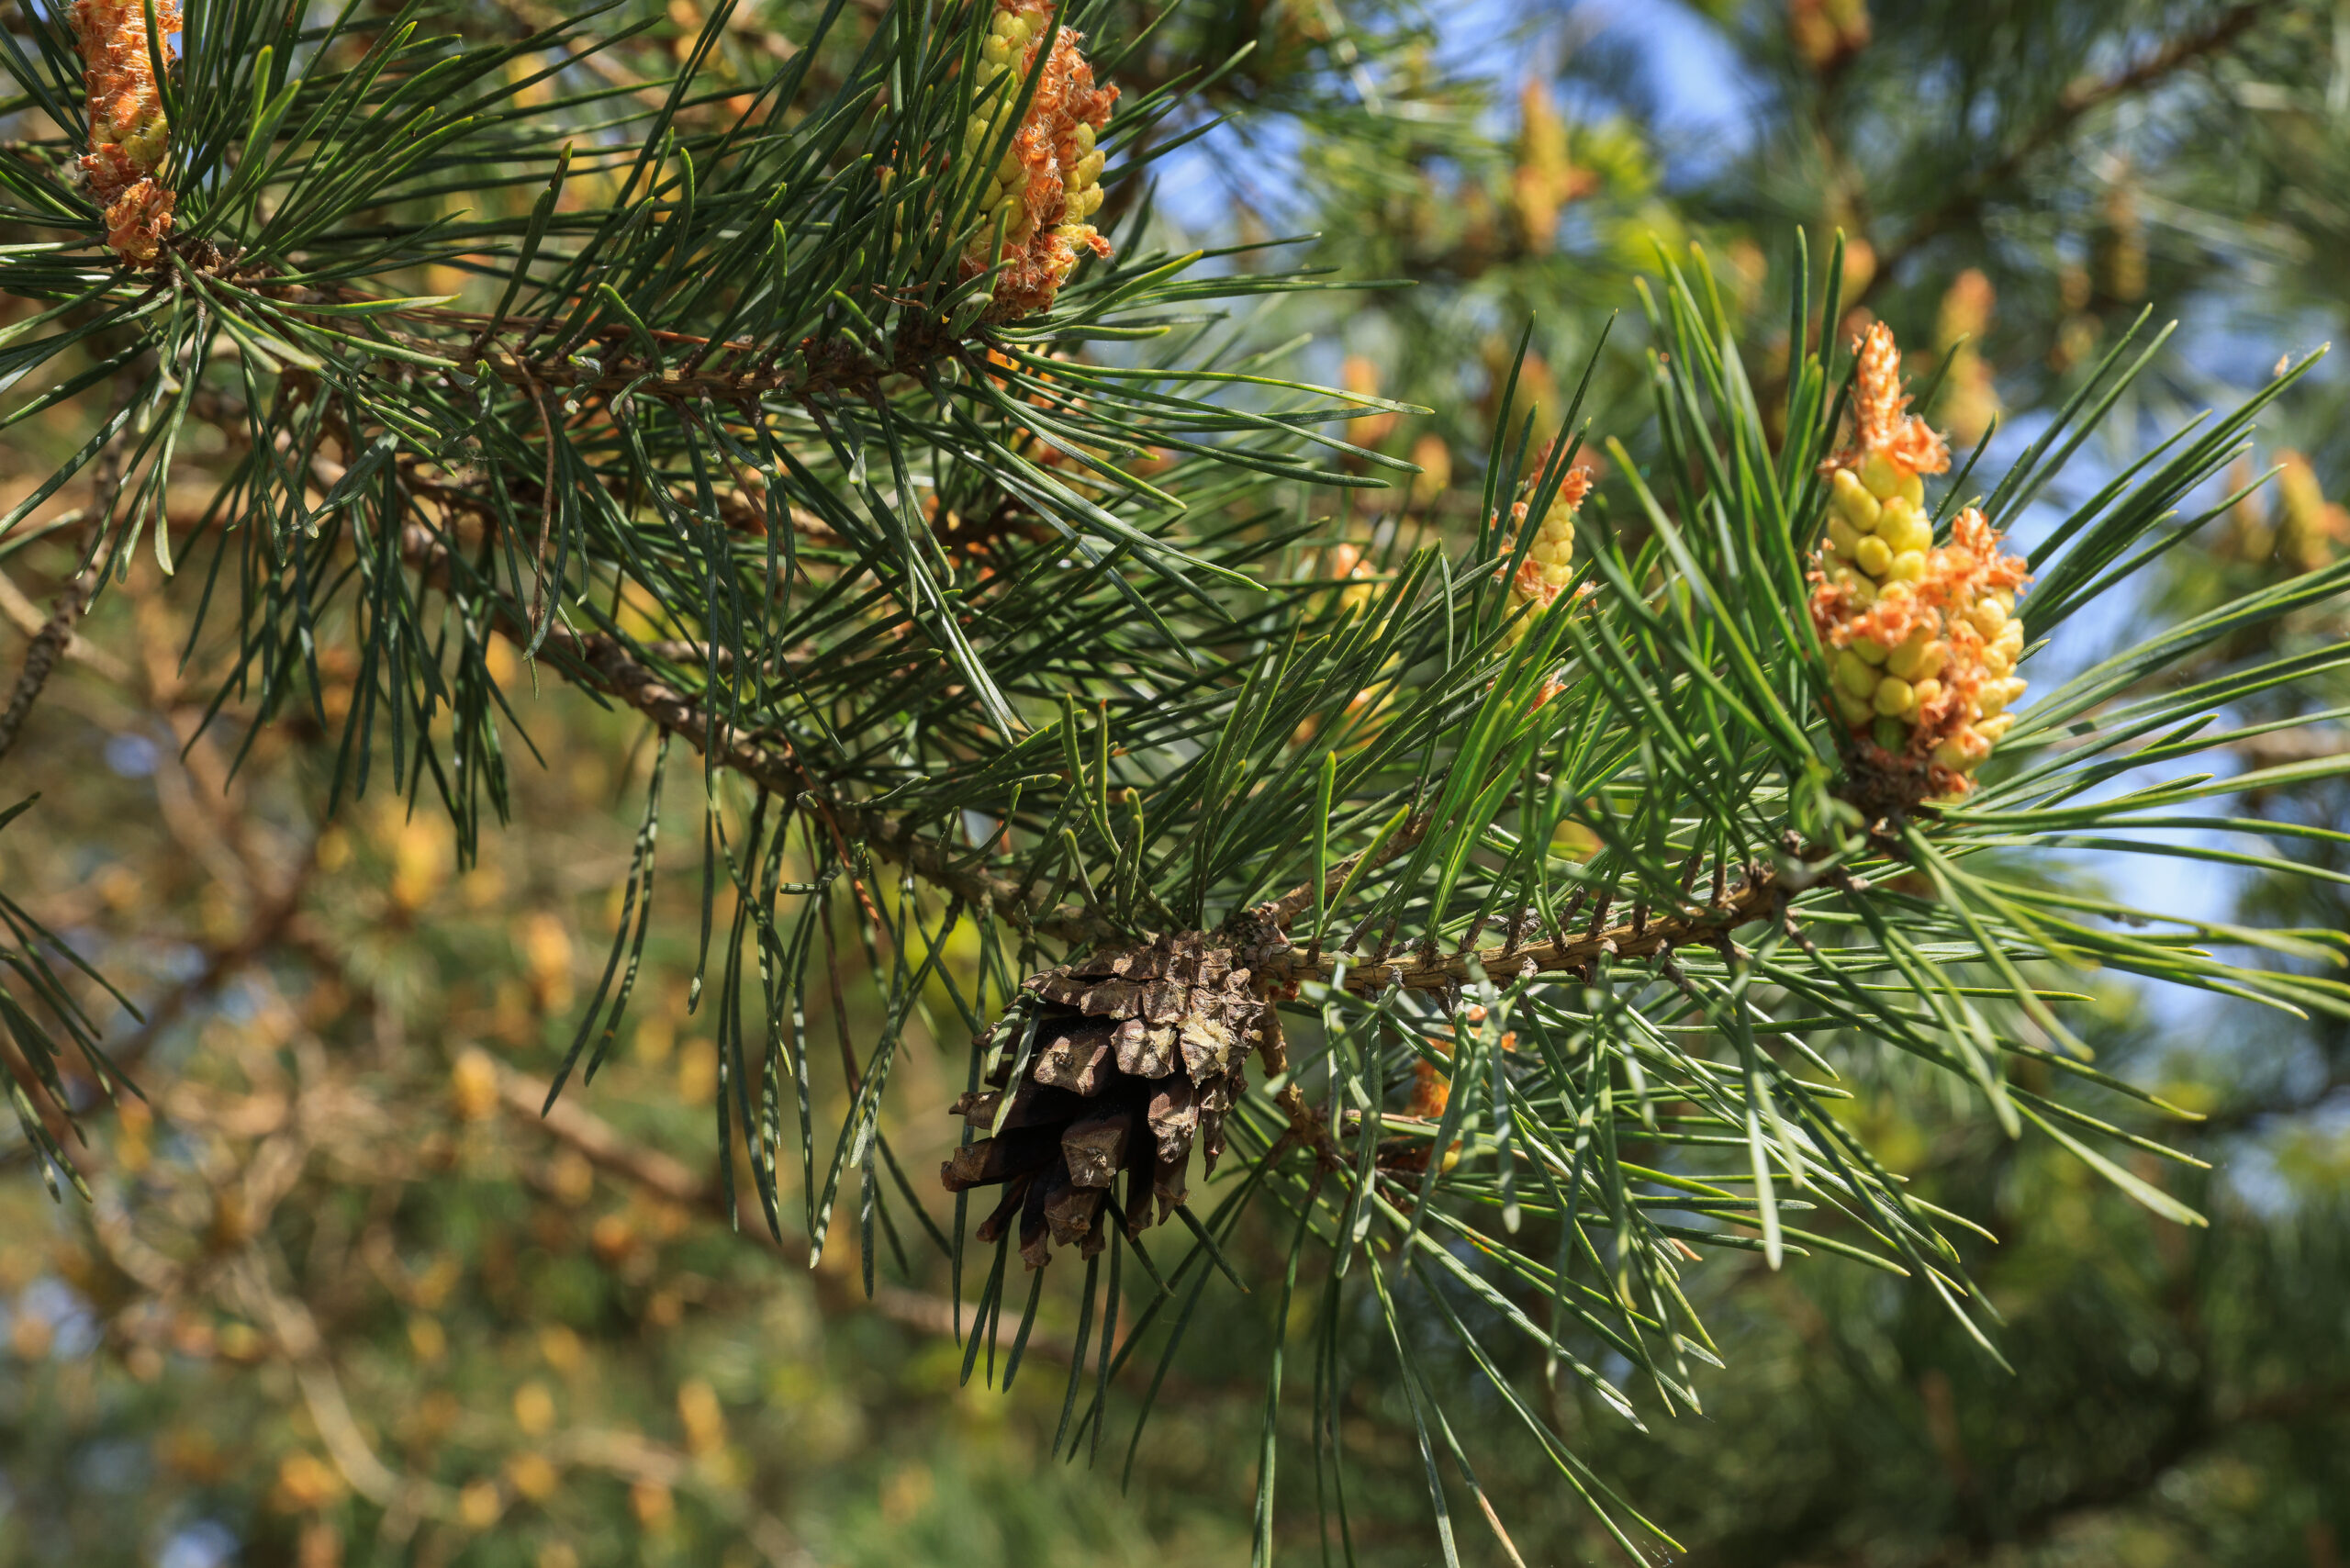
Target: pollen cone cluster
1048, 181
1550, 562
128, 130
1139, 1053
1923, 639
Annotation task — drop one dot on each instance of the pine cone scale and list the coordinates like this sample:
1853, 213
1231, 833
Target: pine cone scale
999, 1220
1036, 1104
1146, 1050
1077, 1062
1174, 1120
1207, 1047
1036, 1230
1070, 1215
1000, 1159
1095, 1149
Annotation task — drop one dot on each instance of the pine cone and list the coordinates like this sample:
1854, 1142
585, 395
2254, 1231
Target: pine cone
1139, 1054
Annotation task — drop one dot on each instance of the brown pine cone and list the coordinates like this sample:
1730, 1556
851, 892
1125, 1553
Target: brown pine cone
1139, 1054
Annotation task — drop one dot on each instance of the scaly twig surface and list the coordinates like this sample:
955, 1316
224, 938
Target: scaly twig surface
49, 644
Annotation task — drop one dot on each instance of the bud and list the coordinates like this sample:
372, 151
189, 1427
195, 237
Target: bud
613, 1239
1922, 639
655, 1505
1048, 181
533, 1476
2249, 536
547, 959
1860, 269
534, 1409
1367, 713
128, 133
704, 1419
479, 1505
1351, 564
1365, 718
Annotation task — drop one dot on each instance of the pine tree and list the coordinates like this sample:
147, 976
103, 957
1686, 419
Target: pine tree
830, 406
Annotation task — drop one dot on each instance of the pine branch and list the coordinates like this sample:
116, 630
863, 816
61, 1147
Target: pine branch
1966, 200
1643, 935
604, 663
79, 648
738, 512
670, 368
291, 1323
1300, 899
827, 366
198, 808
56, 635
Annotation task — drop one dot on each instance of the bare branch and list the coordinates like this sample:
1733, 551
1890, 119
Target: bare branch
1641, 937
56, 635
30, 620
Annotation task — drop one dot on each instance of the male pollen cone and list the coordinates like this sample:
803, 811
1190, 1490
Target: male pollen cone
1550, 562
128, 133
1048, 181
1922, 639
